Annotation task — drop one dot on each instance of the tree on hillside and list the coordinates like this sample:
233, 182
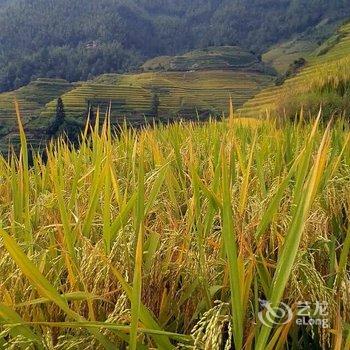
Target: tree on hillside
155, 106
56, 126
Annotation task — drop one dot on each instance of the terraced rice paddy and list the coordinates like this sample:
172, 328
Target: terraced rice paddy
32, 99
281, 56
223, 57
201, 86
182, 236
267, 100
180, 93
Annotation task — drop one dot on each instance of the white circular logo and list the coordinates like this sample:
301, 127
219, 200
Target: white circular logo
271, 316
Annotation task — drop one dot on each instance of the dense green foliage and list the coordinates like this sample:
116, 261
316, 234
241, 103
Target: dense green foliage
79, 39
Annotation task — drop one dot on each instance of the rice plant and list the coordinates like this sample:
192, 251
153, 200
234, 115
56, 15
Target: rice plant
176, 237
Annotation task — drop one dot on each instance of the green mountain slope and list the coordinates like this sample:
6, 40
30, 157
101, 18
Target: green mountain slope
329, 62
79, 39
283, 54
200, 86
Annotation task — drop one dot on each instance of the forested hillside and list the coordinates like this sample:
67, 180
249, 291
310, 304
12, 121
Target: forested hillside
78, 39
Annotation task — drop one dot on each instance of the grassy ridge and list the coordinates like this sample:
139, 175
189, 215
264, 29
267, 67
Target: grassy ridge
170, 236
332, 53
32, 99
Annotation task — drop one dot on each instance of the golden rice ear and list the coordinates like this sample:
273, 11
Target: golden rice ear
24, 185
231, 113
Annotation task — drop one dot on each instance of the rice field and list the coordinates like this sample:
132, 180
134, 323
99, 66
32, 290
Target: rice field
177, 237
319, 63
211, 58
32, 99
180, 93
282, 55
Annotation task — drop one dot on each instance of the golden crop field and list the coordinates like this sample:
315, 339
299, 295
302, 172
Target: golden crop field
171, 237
